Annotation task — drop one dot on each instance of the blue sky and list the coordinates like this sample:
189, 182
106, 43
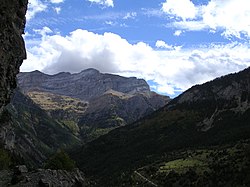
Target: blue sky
172, 44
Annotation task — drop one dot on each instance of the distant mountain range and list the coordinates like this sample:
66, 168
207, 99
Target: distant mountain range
186, 137
86, 85
91, 103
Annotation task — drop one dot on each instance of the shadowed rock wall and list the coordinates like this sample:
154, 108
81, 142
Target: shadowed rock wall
12, 49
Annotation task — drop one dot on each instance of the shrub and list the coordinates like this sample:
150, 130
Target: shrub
60, 160
5, 159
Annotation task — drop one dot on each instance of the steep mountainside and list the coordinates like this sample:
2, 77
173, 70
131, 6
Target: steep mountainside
213, 114
31, 134
89, 102
114, 109
65, 109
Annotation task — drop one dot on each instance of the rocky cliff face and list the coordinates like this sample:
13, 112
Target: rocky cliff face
85, 85
233, 87
12, 50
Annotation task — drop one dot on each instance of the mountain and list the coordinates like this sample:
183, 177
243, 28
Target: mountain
91, 103
207, 122
30, 133
114, 109
87, 84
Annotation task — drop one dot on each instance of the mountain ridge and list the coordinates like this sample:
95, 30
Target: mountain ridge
87, 84
197, 118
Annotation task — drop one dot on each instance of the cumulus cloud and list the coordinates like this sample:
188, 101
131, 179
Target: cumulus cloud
106, 3
162, 44
171, 68
184, 9
228, 16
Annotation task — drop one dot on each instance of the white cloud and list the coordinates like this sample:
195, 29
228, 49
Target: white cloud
106, 3
152, 12
130, 15
189, 25
34, 7
56, 1
184, 9
111, 23
230, 16
177, 33
43, 32
170, 69
57, 10
162, 44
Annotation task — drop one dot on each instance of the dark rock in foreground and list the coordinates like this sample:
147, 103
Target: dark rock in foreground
12, 50
20, 177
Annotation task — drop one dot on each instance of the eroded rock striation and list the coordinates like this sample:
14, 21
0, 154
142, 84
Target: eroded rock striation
12, 49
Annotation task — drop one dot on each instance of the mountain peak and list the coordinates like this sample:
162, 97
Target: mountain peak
36, 72
89, 71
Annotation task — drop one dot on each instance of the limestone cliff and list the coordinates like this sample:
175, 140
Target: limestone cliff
12, 49
86, 85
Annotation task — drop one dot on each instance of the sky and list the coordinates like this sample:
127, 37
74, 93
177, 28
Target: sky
172, 44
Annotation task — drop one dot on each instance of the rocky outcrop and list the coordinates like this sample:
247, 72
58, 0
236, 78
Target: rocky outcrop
233, 87
85, 85
12, 50
21, 177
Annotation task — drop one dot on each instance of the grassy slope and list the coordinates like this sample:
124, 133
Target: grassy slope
66, 110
